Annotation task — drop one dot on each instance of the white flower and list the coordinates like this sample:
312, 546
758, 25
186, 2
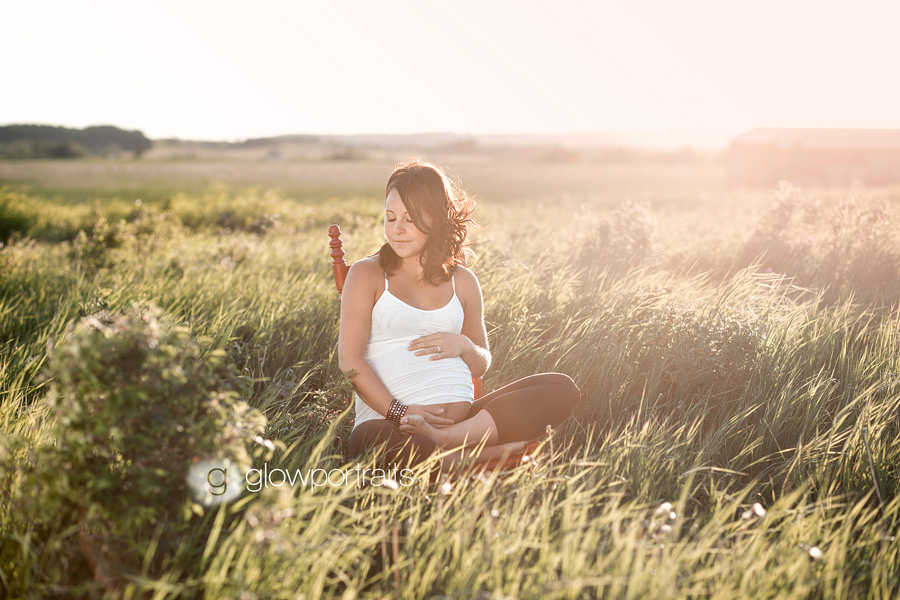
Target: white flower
757, 511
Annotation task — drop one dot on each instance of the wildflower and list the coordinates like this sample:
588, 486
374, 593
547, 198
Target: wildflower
815, 553
664, 508
264, 442
390, 483
755, 511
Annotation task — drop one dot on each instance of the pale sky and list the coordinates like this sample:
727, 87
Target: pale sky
219, 69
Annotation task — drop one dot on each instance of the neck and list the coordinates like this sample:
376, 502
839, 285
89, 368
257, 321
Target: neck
412, 268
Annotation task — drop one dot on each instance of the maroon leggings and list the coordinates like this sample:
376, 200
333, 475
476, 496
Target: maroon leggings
521, 411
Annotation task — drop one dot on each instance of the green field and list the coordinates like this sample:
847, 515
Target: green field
737, 352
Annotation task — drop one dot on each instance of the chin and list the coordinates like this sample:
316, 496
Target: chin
405, 251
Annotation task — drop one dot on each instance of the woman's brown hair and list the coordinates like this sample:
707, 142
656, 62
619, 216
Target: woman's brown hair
430, 196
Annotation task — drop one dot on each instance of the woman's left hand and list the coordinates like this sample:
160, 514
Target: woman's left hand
441, 345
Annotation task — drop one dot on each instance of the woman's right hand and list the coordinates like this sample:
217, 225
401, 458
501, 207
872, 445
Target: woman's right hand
433, 415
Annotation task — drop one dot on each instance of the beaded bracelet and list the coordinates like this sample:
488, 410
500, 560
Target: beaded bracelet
396, 411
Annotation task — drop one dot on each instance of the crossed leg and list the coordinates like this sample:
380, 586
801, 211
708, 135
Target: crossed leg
506, 417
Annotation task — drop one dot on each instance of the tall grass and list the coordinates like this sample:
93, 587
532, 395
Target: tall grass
737, 435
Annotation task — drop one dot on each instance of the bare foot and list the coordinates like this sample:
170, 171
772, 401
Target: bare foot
480, 429
415, 424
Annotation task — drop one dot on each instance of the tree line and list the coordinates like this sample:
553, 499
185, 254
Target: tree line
48, 141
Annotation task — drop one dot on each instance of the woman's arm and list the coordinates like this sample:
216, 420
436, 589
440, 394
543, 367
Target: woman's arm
357, 301
478, 355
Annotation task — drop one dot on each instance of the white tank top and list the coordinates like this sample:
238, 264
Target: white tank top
414, 379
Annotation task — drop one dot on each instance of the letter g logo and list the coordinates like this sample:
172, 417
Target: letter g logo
218, 483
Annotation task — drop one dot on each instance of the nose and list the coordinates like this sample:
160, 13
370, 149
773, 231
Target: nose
398, 227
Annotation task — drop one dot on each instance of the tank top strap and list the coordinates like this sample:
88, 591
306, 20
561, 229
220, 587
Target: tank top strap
453, 282
385, 282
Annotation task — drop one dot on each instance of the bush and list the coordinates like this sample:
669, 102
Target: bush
846, 246
14, 215
622, 241
134, 403
130, 238
222, 208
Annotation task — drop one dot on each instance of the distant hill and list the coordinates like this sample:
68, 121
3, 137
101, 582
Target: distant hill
600, 147
643, 140
48, 141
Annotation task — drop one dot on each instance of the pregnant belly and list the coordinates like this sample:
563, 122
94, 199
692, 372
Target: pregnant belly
417, 379
454, 410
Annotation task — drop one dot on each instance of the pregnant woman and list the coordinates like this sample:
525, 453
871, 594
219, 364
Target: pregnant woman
412, 328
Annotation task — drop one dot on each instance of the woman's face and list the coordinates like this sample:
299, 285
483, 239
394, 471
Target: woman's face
403, 236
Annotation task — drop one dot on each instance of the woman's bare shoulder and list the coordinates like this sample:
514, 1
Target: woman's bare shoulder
367, 269
467, 282
364, 277
464, 274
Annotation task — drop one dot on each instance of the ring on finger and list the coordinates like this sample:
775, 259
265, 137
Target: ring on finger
438, 349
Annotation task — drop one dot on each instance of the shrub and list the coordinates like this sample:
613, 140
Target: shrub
14, 215
622, 241
134, 403
130, 238
846, 246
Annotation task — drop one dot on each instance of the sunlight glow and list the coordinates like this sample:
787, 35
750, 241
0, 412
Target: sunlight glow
229, 70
